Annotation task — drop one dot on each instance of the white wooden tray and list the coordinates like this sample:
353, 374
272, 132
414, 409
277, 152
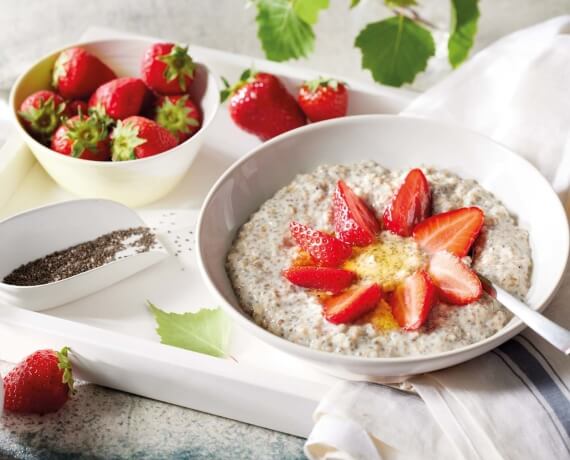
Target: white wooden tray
112, 334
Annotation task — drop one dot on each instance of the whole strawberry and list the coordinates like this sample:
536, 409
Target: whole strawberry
77, 73
323, 99
41, 113
261, 105
139, 137
179, 115
167, 68
119, 98
84, 137
40, 384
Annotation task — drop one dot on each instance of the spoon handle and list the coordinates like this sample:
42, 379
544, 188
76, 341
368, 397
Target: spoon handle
547, 329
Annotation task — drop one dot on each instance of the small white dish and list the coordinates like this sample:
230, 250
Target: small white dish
396, 142
41, 231
136, 182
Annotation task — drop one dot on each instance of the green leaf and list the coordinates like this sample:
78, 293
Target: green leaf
308, 10
395, 50
283, 34
206, 331
400, 3
464, 17
354, 3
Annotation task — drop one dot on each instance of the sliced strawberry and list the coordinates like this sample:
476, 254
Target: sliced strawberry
324, 248
452, 231
412, 300
328, 279
410, 205
352, 304
456, 282
354, 222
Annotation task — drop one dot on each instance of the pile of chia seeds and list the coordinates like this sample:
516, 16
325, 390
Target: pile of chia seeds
83, 257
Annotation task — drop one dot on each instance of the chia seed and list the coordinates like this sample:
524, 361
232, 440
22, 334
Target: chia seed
82, 257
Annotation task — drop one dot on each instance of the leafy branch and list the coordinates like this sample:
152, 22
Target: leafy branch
395, 49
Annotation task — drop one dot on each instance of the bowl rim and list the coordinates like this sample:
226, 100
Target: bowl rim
512, 328
212, 78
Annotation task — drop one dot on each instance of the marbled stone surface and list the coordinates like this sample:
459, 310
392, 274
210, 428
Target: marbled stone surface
99, 423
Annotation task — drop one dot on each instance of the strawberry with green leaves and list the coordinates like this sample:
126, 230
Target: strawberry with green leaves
323, 98
168, 69
119, 98
138, 137
41, 113
261, 105
83, 136
77, 73
40, 384
179, 115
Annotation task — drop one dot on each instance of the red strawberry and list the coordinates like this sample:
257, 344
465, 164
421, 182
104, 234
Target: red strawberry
456, 282
83, 137
167, 68
77, 73
328, 279
453, 231
354, 222
139, 137
409, 206
119, 98
323, 99
412, 300
179, 115
40, 384
41, 113
76, 107
352, 304
260, 105
324, 248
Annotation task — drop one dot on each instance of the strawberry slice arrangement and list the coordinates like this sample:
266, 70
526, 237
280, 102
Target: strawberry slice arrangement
260, 104
42, 383
443, 238
93, 114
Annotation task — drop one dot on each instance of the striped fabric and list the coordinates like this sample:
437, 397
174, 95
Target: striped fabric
527, 362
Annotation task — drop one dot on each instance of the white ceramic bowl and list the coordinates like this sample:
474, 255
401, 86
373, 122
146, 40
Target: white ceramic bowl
135, 182
395, 142
41, 231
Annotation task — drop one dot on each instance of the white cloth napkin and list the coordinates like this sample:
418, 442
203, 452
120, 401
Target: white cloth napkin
514, 402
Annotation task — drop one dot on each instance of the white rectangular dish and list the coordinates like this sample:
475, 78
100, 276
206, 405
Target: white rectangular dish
113, 334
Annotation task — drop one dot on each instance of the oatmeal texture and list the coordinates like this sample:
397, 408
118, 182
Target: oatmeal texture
263, 248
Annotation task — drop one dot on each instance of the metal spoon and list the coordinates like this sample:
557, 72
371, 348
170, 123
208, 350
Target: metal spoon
547, 329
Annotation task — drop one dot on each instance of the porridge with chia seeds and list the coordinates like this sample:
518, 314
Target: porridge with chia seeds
405, 314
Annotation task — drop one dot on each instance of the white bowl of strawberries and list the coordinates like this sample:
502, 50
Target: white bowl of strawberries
120, 119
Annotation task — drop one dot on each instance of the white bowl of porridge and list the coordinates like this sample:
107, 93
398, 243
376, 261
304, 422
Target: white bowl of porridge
364, 245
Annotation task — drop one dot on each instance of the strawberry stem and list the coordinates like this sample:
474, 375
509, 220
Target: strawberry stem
179, 65
45, 118
125, 140
175, 116
313, 85
64, 364
247, 76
